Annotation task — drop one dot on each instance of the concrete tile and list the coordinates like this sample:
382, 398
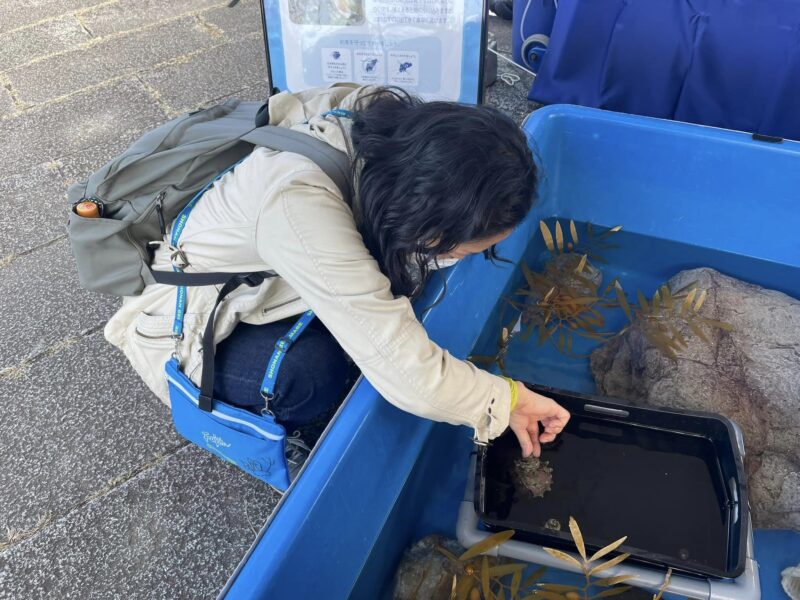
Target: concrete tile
108, 59
175, 531
74, 422
79, 165
33, 209
20, 46
211, 74
95, 118
43, 305
19, 13
238, 20
127, 15
6, 103
255, 93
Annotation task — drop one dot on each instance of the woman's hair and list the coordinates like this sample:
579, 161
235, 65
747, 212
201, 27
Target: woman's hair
433, 175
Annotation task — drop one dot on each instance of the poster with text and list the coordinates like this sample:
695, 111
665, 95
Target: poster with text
431, 48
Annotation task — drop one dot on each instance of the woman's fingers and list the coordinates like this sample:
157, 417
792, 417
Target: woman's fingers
556, 422
547, 437
531, 409
533, 433
524, 439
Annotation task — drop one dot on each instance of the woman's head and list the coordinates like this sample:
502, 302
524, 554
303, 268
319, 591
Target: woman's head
436, 180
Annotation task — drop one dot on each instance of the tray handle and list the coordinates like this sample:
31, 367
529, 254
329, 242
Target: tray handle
605, 410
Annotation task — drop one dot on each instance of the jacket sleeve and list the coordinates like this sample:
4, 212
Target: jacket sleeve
308, 236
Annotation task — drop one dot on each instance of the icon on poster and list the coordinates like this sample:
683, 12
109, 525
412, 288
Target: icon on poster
404, 68
336, 64
370, 67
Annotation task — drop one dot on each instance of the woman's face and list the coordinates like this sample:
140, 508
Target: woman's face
474, 247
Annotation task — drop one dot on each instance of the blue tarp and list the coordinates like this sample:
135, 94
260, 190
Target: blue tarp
726, 63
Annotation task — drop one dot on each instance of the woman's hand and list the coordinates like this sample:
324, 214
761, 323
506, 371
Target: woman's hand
532, 409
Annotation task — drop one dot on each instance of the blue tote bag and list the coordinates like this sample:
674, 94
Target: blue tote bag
254, 443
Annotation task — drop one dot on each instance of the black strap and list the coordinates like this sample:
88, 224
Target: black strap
207, 378
199, 279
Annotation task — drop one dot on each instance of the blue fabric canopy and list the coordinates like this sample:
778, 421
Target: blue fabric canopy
726, 63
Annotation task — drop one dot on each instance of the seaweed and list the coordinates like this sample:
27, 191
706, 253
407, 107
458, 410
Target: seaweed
477, 578
499, 358
566, 298
662, 318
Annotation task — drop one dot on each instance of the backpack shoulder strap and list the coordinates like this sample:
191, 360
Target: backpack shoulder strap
334, 163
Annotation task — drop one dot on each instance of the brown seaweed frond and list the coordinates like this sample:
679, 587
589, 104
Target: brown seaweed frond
590, 567
479, 578
590, 245
499, 358
564, 298
662, 317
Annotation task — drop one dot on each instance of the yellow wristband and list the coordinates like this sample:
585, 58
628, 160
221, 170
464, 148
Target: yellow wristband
514, 391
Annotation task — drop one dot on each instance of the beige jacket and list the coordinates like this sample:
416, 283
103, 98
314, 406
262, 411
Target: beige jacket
279, 211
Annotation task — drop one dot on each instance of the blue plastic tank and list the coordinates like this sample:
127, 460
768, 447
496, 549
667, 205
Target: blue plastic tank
380, 478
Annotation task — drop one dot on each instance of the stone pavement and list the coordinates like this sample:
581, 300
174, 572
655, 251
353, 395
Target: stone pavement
99, 497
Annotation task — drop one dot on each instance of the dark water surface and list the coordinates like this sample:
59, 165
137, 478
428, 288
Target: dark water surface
663, 490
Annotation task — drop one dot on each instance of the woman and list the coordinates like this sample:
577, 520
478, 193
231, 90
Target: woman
434, 182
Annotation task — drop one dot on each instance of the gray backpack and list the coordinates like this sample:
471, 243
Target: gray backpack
142, 190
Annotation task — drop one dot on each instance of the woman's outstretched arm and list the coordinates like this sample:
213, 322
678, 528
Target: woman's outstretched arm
306, 233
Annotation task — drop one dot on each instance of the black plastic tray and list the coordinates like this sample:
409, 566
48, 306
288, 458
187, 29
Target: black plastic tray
672, 481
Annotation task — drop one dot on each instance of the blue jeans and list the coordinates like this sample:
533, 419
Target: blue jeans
310, 382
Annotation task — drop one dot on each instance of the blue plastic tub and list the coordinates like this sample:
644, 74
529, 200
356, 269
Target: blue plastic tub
380, 479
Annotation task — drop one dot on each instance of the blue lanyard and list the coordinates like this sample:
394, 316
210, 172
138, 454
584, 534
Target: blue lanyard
281, 348
177, 229
339, 112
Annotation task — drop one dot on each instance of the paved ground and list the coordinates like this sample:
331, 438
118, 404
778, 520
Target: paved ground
99, 497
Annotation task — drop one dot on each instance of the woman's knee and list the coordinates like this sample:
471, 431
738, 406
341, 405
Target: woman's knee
316, 361
311, 377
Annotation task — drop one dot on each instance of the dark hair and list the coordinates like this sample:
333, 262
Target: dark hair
432, 175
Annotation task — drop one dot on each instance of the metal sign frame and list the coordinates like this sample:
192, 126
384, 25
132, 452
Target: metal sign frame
475, 95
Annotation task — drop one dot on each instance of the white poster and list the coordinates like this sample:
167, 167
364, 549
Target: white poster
429, 47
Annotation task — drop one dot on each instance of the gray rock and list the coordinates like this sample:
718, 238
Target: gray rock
425, 572
751, 375
566, 264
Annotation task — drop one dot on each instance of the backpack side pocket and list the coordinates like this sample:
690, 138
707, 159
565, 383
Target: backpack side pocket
107, 260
